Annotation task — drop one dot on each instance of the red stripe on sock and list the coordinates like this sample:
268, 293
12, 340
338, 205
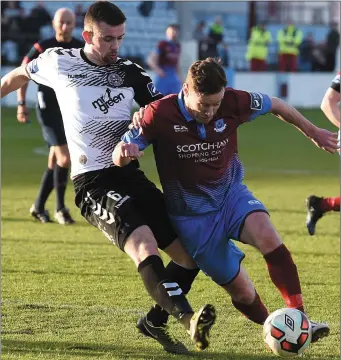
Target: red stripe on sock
330, 204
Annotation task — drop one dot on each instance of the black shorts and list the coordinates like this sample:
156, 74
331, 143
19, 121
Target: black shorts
51, 122
119, 200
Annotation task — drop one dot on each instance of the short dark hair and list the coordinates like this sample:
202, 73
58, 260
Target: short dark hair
103, 11
174, 26
207, 76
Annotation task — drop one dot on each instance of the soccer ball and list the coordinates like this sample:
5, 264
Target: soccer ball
287, 332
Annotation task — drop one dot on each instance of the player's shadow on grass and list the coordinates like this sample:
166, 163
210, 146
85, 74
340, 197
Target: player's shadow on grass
125, 352
17, 219
122, 352
79, 223
69, 273
99, 242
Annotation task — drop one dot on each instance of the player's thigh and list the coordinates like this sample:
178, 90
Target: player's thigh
51, 123
247, 220
241, 288
149, 202
220, 259
177, 252
204, 239
111, 210
141, 244
259, 232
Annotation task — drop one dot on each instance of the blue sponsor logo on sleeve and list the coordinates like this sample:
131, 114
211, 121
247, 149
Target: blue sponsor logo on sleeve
152, 89
134, 133
256, 101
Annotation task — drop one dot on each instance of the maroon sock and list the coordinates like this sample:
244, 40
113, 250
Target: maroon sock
256, 311
284, 275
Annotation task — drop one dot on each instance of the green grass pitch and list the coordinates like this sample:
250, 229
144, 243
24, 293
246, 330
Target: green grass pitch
67, 293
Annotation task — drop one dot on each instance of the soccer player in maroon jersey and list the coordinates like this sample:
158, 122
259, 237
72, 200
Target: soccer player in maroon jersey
318, 206
194, 137
165, 62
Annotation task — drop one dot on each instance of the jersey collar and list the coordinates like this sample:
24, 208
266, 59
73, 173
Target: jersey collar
183, 109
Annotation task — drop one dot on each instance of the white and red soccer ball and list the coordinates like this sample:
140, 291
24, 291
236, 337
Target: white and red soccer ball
287, 332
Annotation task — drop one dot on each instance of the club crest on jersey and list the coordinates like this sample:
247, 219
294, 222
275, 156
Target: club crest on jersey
152, 89
219, 126
33, 66
115, 80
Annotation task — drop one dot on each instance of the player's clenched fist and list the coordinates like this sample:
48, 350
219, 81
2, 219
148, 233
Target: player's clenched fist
137, 118
124, 153
130, 151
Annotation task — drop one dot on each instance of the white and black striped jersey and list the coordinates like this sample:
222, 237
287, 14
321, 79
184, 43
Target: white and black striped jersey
95, 101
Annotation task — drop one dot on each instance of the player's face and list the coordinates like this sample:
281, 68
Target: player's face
203, 107
172, 33
63, 24
106, 41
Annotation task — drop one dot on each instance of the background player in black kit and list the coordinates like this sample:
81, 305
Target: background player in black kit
50, 119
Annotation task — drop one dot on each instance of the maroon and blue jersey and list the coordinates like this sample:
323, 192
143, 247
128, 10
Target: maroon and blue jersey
198, 164
169, 54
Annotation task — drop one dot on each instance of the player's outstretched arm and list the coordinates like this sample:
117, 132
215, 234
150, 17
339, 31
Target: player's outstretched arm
330, 106
124, 153
14, 80
322, 138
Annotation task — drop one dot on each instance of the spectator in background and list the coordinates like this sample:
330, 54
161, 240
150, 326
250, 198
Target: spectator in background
215, 37
200, 34
165, 62
257, 51
319, 58
224, 54
79, 14
12, 26
289, 40
40, 15
333, 39
306, 53
145, 8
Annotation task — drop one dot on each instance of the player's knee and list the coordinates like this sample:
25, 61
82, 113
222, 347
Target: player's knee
178, 254
265, 237
140, 244
244, 296
63, 160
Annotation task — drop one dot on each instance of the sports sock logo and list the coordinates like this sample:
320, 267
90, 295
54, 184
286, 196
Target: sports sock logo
176, 290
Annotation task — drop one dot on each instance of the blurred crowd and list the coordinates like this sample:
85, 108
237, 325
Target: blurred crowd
19, 29
289, 50
293, 51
